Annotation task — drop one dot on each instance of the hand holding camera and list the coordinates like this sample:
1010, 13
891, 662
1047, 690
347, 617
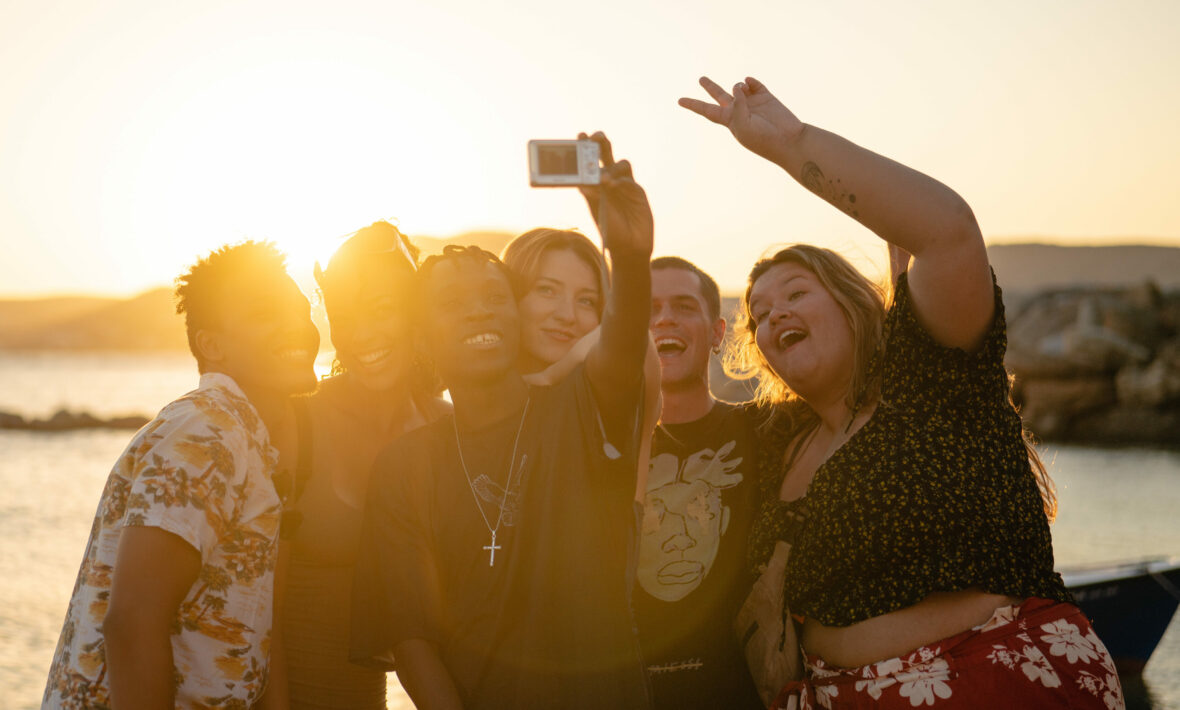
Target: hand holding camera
618, 203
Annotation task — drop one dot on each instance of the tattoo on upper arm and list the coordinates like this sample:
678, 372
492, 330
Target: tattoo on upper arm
813, 179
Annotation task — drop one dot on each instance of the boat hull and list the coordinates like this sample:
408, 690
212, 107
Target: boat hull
1130, 610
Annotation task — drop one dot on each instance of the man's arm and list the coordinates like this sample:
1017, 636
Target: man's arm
424, 677
154, 571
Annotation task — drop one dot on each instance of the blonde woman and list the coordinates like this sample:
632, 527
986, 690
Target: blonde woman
921, 564
561, 282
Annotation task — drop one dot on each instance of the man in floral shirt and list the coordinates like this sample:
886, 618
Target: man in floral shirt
173, 602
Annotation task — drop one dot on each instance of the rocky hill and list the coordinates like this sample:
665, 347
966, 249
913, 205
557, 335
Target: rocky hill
146, 322
1027, 268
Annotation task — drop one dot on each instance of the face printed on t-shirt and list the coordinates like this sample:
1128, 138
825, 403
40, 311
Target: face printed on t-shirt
684, 519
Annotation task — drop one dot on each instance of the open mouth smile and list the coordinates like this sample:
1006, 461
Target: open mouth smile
668, 345
483, 339
789, 337
373, 356
558, 334
295, 354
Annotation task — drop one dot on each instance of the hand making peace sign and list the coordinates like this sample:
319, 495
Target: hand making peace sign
755, 117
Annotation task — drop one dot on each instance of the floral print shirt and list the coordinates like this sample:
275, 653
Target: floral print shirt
200, 470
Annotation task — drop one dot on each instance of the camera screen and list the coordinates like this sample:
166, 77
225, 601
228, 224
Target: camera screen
557, 160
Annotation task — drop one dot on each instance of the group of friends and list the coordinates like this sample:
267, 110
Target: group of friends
582, 524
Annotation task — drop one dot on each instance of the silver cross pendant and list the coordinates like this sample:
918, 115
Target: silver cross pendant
492, 550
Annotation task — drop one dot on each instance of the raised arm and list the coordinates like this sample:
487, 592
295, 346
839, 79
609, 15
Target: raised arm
615, 363
949, 279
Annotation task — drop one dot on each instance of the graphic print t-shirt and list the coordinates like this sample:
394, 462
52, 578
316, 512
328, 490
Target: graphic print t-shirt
692, 576
550, 624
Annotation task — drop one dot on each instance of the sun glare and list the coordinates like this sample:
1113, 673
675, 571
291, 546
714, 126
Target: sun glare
294, 154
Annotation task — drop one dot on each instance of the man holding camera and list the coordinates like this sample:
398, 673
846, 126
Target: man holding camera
497, 542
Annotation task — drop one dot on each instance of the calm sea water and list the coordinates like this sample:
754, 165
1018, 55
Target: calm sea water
1115, 504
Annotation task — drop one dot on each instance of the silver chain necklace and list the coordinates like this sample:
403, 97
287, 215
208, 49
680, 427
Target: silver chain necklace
507, 484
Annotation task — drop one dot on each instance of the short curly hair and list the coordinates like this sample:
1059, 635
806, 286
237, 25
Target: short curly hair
202, 290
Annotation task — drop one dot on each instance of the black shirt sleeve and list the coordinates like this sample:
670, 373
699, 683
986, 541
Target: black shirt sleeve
396, 590
612, 435
922, 376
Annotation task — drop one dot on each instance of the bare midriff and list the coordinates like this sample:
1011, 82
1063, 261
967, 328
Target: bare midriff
938, 616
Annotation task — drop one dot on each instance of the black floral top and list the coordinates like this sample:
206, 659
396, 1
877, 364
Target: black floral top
775, 518
934, 493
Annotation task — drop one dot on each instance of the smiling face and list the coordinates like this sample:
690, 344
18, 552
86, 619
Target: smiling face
560, 306
682, 327
471, 325
371, 326
801, 331
263, 338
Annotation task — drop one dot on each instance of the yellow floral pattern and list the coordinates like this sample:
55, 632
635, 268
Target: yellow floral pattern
202, 471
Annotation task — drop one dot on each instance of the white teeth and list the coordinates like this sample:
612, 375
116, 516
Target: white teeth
372, 357
788, 335
668, 341
483, 339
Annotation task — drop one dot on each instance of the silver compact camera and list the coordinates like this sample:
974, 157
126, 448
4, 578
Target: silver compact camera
563, 163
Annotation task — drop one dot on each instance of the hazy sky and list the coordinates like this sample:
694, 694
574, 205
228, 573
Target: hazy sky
136, 135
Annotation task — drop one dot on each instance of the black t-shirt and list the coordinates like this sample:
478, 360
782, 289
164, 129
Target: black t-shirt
692, 576
550, 624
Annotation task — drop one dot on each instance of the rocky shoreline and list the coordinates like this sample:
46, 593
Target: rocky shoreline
64, 420
1099, 366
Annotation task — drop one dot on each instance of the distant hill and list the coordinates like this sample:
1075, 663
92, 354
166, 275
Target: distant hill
146, 322
19, 315
1023, 268
149, 321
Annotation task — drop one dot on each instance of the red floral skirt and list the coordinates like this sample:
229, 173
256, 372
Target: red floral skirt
1040, 654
